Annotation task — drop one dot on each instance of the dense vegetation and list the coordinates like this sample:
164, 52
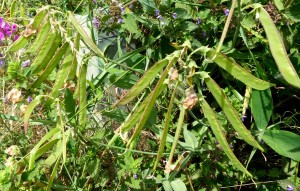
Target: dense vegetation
149, 95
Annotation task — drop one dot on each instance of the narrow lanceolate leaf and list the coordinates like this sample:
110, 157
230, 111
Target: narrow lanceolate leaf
46, 52
18, 44
165, 130
29, 110
85, 36
82, 96
153, 96
52, 64
229, 111
278, 50
41, 36
218, 132
237, 71
143, 82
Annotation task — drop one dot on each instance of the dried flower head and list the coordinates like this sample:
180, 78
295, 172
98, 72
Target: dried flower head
14, 95
191, 99
12, 150
23, 108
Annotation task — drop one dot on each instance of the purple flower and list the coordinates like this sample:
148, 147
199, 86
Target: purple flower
289, 188
2, 63
244, 117
226, 12
156, 13
135, 176
122, 10
29, 99
14, 28
131, 6
2, 36
95, 1
16, 37
198, 21
120, 20
26, 63
174, 15
96, 23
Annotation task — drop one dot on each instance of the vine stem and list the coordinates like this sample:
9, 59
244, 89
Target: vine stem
226, 26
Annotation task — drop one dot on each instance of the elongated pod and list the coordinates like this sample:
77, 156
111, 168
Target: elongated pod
278, 50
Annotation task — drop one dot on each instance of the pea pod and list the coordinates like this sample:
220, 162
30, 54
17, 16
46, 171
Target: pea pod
39, 17
52, 64
46, 52
237, 71
278, 50
143, 82
18, 44
218, 132
153, 96
229, 111
61, 75
29, 110
82, 96
165, 130
41, 36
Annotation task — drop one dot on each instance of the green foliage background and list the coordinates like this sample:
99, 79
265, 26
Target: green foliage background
151, 95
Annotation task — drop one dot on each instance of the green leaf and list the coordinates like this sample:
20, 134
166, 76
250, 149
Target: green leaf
261, 107
178, 185
278, 50
167, 185
237, 71
284, 143
293, 12
148, 6
220, 136
131, 25
190, 139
